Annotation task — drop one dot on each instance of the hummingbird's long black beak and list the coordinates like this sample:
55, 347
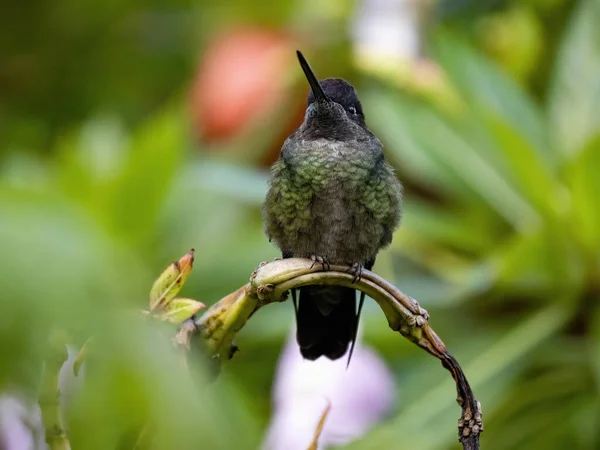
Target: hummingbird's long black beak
312, 80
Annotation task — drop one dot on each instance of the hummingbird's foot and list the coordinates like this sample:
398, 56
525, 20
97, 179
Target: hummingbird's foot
357, 269
320, 260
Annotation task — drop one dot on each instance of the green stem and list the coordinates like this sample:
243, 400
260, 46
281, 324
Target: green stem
219, 325
49, 397
269, 283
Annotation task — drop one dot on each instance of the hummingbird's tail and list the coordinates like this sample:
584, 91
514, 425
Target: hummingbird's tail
326, 320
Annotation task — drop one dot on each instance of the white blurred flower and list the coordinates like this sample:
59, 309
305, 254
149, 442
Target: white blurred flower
387, 30
360, 396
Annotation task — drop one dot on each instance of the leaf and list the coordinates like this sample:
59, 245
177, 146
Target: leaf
527, 407
487, 87
170, 281
575, 89
434, 151
426, 419
134, 199
459, 156
585, 190
541, 260
438, 225
595, 343
80, 357
180, 309
221, 178
402, 125
525, 166
314, 445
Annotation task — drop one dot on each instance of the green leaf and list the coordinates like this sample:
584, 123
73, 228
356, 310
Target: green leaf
81, 355
584, 175
434, 409
89, 161
170, 281
180, 309
595, 342
526, 168
575, 90
458, 155
401, 123
542, 260
488, 88
456, 228
236, 182
429, 147
135, 198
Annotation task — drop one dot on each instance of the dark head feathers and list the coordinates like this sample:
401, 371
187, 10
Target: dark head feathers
341, 92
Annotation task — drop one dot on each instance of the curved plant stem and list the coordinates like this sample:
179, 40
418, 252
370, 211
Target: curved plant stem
270, 283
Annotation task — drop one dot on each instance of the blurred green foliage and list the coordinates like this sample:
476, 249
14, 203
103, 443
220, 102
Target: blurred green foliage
102, 184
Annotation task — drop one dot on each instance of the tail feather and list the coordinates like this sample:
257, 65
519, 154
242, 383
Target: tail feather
368, 265
326, 320
360, 306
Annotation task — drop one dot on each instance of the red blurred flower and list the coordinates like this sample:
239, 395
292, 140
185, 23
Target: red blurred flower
242, 77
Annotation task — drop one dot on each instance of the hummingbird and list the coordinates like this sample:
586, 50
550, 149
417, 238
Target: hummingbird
332, 197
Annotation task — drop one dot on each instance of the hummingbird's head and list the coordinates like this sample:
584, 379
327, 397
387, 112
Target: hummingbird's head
333, 98
343, 93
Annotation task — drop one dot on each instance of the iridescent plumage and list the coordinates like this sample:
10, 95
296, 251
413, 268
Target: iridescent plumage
331, 195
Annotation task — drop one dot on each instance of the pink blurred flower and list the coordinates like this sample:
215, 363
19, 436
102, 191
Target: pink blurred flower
360, 397
20, 424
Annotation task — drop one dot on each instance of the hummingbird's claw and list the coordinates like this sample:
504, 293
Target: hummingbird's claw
320, 260
357, 269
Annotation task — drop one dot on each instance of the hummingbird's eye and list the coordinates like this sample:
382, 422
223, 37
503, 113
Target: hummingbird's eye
352, 110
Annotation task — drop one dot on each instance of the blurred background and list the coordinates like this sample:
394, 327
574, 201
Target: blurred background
131, 132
